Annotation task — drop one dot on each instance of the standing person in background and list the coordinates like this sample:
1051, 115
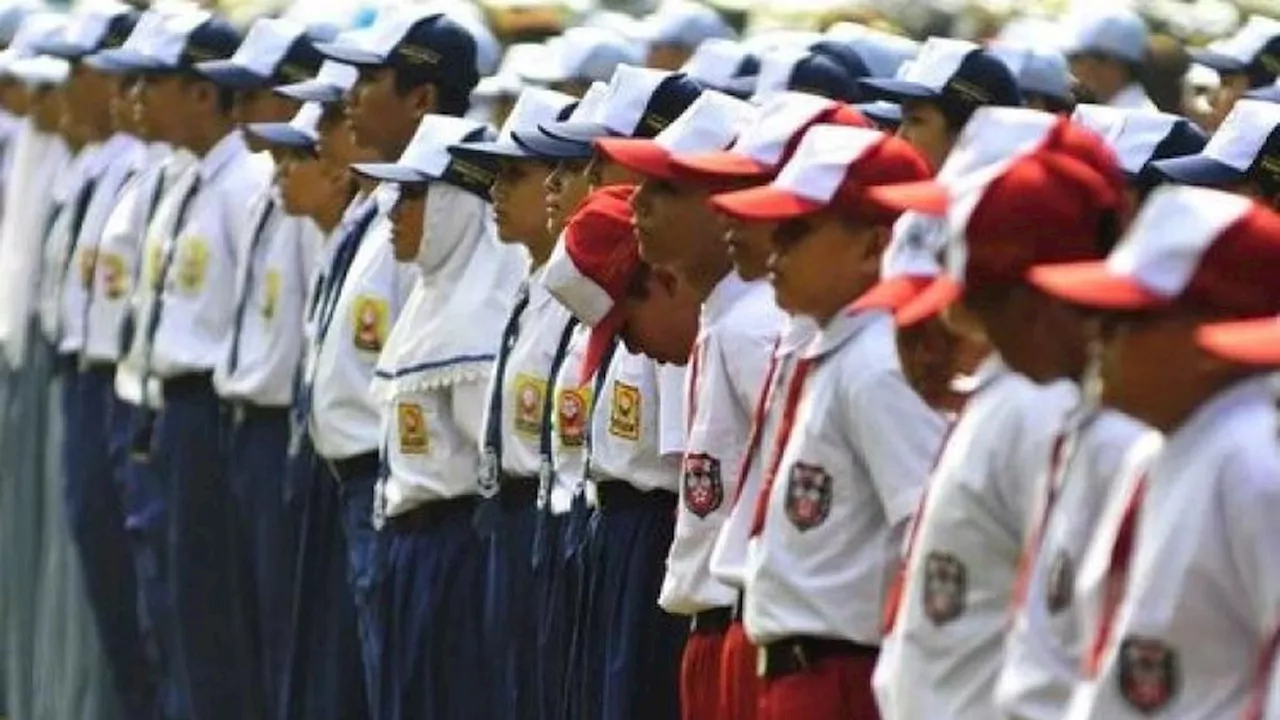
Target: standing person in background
1108, 51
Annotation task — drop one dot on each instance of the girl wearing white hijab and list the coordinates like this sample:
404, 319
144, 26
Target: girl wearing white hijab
431, 381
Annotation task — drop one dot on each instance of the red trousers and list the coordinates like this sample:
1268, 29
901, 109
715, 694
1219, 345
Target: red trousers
700, 676
739, 686
837, 688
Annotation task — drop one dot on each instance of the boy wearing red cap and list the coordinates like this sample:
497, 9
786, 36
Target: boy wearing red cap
1179, 589
1024, 187
838, 488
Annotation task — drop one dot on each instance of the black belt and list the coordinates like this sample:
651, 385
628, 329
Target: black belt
188, 384
97, 367
712, 622
244, 411
357, 466
427, 516
620, 495
66, 363
518, 491
797, 654
739, 605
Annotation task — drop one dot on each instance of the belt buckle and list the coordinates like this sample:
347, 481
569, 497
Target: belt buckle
762, 661
800, 657
238, 413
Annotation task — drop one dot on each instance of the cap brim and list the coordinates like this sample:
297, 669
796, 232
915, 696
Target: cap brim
882, 112
282, 134
311, 91
929, 301
1091, 284
926, 196
764, 203
494, 148
232, 75
105, 61
1198, 170
579, 132
897, 90
1270, 93
543, 146
1218, 61
1251, 342
891, 294
132, 61
391, 172
350, 55
643, 156
722, 164
64, 50
598, 342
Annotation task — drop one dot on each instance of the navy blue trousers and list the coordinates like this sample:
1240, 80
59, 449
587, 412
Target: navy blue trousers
363, 568
630, 647
92, 458
324, 676
432, 593
511, 616
552, 603
203, 559
258, 442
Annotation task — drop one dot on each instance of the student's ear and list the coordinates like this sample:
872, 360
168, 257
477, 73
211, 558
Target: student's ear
664, 280
424, 100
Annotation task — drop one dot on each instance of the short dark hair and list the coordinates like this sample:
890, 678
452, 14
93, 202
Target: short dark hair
450, 99
225, 95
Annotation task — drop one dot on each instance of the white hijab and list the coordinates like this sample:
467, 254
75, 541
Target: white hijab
452, 324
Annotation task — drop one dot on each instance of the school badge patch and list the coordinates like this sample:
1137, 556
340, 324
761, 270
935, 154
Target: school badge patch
702, 489
571, 416
270, 294
624, 416
946, 583
529, 390
1060, 583
369, 322
808, 496
412, 427
192, 265
115, 281
1148, 673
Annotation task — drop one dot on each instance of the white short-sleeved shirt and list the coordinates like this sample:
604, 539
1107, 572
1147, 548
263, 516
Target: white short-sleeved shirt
196, 263
271, 291
1202, 596
1132, 97
526, 387
71, 194
951, 624
729, 557
1043, 652
738, 329
118, 158
850, 475
345, 419
432, 445
569, 421
637, 426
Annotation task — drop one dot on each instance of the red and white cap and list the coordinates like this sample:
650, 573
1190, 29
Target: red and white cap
909, 265
710, 123
1249, 342
765, 145
1195, 247
1029, 188
593, 265
834, 166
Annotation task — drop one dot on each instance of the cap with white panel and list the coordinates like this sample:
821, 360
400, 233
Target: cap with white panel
427, 158
146, 26
177, 43
640, 102
1108, 30
1253, 50
97, 27
684, 23
883, 53
710, 123
835, 166
1205, 248
12, 13
806, 71
508, 81
36, 29
542, 145
909, 264
40, 70
724, 65
1245, 147
765, 145
414, 39
534, 107
583, 54
952, 70
1039, 72
302, 130
1140, 137
330, 85
274, 52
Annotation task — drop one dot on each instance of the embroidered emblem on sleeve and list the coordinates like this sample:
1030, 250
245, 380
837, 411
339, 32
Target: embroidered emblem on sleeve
529, 392
1149, 674
946, 583
412, 426
1060, 583
571, 416
369, 320
624, 416
115, 281
192, 265
153, 269
702, 489
808, 496
270, 294
86, 261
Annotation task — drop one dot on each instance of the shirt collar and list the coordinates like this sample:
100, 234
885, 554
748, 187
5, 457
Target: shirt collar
843, 328
726, 292
800, 331
1207, 417
222, 154
1131, 97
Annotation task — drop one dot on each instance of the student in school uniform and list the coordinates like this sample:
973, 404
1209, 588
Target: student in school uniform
254, 378
1243, 62
949, 617
534, 345
582, 56
817, 655
1237, 157
725, 65
190, 263
430, 385
1180, 589
675, 30
1107, 48
1043, 651
418, 62
678, 231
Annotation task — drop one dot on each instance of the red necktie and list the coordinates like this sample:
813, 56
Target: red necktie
1117, 580
1031, 549
757, 422
794, 390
